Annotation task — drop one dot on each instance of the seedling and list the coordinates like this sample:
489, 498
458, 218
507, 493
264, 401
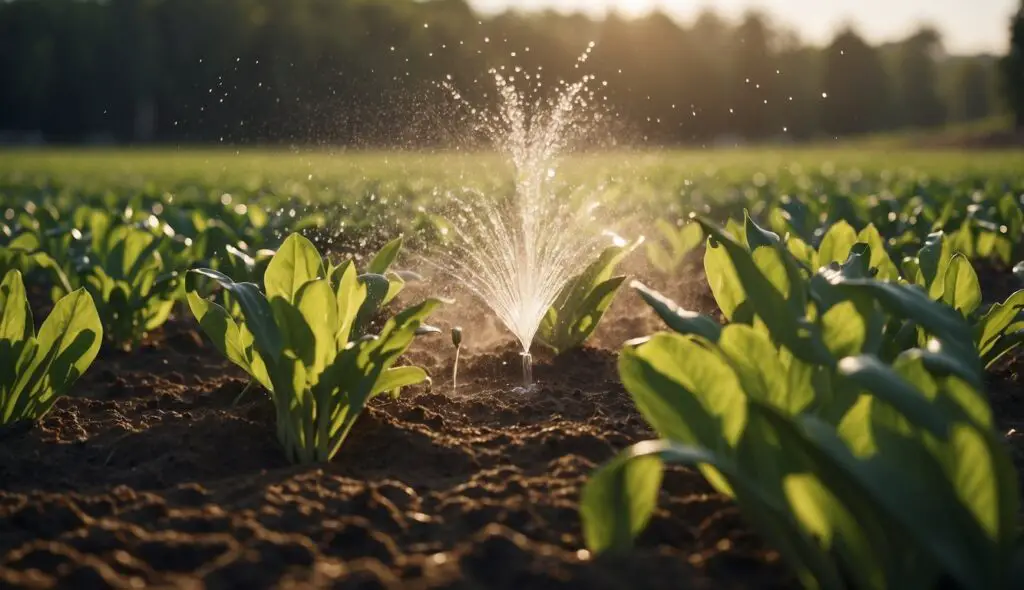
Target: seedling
579, 307
37, 368
457, 342
299, 341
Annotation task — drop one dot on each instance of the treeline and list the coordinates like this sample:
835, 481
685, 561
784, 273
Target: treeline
366, 72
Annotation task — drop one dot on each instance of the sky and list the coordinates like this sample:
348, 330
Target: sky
968, 26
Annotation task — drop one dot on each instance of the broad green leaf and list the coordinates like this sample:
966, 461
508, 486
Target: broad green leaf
825, 518
786, 326
581, 304
15, 315
684, 390
222, 331
844, 329
1002, 318
758, 367
880, 259
65, 346
873, 376
877, 489
905, 301
677, 318
259, 317
689, 237
835, 245
962, 290
298, 339
756, 235
296, 263
318, 306
384, 258
769, 261
398, 377
951, 395
1002, 345
659, 257
395, 285
802, 252
620, 497
911, 270
737, 231
933, 259
722, 279
350, 296
377, 287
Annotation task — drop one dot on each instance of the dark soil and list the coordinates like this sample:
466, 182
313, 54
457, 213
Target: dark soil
151, 475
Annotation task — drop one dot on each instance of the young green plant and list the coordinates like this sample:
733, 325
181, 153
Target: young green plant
134, 290
457, 342
832, 453
37, 368
581, 304
299, 341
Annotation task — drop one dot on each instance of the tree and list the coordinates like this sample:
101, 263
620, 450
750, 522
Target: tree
753, 81
919, 100
1013, 67
855, 92
973, 99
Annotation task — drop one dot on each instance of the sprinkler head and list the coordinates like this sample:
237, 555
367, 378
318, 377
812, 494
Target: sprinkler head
457, 336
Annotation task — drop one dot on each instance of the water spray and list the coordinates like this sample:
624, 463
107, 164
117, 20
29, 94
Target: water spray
517, 254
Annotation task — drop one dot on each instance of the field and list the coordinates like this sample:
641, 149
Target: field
160, 464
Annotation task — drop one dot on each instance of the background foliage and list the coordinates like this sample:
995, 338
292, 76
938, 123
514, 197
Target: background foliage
365, 72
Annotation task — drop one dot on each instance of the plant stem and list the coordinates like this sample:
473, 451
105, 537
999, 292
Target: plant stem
455, 370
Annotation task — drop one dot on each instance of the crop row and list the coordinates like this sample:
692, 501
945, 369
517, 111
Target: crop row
842, 404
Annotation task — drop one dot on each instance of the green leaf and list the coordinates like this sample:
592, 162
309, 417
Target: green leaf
933, 259
844, 329
65, 346
880, 259
259, 317
619, 499
677, 318
296, 263
756, 235
15, 314
222, 331
398, 377
387, 255
1000, 320
659, 258
877, 489
350, 294
1003, 345
802, 252
685, 391
316, 302
580, 305
759, 368
870, 374
786, 326
722, 279
905, 301
395, 285
835, 245
962, 290
377, 287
